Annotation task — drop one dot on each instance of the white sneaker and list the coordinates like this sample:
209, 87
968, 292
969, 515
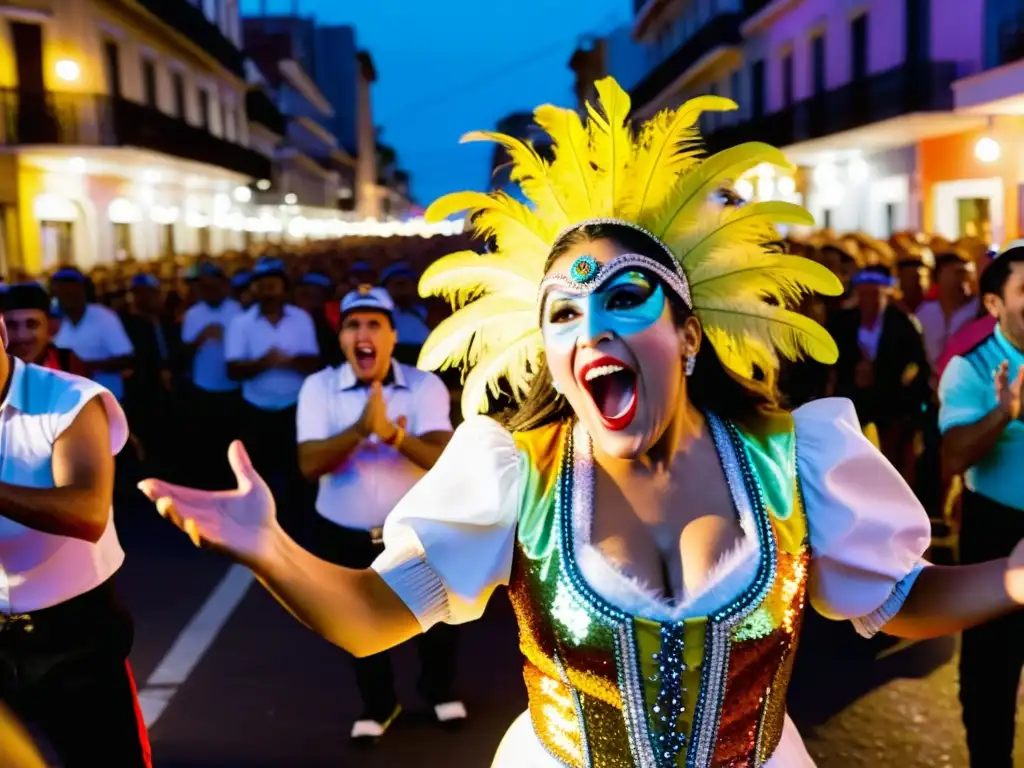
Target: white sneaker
373, 729
450, 711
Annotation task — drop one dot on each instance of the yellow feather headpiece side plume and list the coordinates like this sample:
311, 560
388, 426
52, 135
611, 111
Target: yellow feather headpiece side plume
656, 179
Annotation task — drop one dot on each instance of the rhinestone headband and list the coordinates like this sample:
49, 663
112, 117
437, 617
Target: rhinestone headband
587, 276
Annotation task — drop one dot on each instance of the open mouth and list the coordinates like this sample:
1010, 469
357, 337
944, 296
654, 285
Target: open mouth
366, 357
612, 386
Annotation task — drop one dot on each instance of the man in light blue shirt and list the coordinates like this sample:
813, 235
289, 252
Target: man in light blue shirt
983, 439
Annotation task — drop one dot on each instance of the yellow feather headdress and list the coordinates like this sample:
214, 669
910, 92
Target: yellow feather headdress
656, 180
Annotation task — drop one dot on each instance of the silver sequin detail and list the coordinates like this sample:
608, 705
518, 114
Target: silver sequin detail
564, 677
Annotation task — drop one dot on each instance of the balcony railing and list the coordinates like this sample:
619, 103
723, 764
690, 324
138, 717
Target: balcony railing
916, 87
724, 29
190, 21
259, 108
28, 118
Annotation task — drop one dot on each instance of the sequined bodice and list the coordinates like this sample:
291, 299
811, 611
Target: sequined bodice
608, 688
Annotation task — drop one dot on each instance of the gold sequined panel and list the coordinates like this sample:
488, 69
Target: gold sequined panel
606, 734
763, 645
554, 717
536, 638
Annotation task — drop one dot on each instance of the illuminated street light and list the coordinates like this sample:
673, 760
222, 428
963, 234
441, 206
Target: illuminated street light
290, 199
243, 194
987, 150
786, 186
859, 170
68, 70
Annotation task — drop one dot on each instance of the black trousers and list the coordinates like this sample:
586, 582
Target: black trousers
270, 439
438, 648
991, 655
214, 420
65, 670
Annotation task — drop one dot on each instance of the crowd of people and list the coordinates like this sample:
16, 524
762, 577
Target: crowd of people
308, 355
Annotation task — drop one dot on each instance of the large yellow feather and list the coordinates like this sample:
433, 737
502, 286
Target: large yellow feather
611, 147
666, 148
530, 171
490, 322
461, 276
685, 201
511, 364
522, 232
570, 169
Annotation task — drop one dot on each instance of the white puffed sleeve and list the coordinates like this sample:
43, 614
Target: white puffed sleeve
868, 531
449, 542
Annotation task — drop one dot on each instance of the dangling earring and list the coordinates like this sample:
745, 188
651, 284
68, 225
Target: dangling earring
691, 363
554, 385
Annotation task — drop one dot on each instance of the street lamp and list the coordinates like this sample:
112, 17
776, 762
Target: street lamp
987, 150
68, 70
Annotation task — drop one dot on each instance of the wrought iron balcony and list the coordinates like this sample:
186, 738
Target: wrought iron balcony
724, 29
903, 90
33, 118
190, 21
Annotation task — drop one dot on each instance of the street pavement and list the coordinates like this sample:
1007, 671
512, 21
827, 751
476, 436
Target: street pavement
246, 686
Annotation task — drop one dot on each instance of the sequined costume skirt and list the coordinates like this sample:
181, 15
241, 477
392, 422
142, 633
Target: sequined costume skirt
520, 748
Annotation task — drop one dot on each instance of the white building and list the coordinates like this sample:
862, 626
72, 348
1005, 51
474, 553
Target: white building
126, 128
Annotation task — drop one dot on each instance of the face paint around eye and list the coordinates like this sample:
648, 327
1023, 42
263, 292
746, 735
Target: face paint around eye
594, 315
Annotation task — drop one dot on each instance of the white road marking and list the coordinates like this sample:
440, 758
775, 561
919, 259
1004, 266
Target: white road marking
193, 642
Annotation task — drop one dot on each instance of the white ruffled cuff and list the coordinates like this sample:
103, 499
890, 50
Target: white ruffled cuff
406, 571
869, 626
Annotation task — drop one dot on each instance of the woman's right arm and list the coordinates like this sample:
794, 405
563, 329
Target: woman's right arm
447, 545
352, 608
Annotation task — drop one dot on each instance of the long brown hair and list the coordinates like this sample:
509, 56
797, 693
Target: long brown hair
712, 388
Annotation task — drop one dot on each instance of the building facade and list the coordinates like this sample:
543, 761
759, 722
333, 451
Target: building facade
880, 103
126, 130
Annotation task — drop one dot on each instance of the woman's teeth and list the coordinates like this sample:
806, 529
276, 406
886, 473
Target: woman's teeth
603, 370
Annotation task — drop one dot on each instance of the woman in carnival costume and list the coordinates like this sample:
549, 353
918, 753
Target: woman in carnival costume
658, 520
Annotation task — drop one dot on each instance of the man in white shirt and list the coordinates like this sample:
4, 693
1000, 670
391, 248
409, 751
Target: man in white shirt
64, 636
368, 430
214, 398
954, 308
271, 348
93, 332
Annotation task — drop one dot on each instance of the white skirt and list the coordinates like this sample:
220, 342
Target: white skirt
520, 748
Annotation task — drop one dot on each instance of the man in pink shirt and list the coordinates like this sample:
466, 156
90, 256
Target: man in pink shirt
975, 332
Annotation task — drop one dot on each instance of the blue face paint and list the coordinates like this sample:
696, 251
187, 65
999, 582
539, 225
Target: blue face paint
627, 304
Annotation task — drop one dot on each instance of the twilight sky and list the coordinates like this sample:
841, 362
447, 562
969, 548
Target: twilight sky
445, 67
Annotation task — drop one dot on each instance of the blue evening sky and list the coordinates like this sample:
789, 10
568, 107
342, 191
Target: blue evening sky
445, 67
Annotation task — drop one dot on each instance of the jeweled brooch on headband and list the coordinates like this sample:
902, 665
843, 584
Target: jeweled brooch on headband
584, 269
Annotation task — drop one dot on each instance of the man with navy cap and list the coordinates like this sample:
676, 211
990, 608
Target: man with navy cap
214, 398
312, 292
368, 430
882, 365
30, 318
270, 349
92, 331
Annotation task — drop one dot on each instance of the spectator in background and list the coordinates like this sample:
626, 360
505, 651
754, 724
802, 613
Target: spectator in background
368, 431
882, 366
214, 399
400, 282
976, 331
912, 277
838, 258
93, 332
28, 314
361, 272
954, 306
312, 293
271, 348
983, 439
241, 288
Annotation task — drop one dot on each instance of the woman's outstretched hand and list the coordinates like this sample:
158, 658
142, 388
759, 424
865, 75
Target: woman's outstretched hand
241, 523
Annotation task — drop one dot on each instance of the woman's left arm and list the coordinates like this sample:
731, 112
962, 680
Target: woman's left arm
945, 600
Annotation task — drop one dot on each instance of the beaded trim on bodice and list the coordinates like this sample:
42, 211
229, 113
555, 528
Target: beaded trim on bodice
667, 680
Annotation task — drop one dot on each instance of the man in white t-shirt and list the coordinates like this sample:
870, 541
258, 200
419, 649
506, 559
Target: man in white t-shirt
271, 348
214, 401
93, 332
64, 636
368, 430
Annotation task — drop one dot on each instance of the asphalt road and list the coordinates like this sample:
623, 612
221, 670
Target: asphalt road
267, 692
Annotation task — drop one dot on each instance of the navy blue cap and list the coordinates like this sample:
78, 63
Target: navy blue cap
269, 267
398, 269
360, 265
145, 281
210, 270
241, 279
319, 279
873, 276
68, 275
26, 296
